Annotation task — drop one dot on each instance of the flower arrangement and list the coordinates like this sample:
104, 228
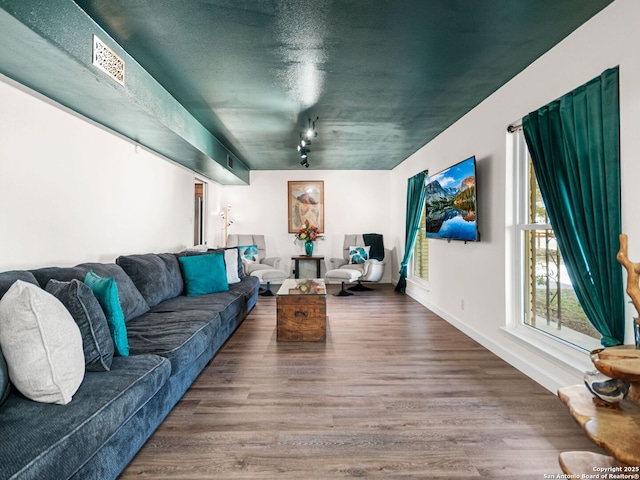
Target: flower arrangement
308, 232
310, 286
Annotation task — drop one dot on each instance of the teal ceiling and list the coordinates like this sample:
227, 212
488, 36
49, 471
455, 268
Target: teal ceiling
385, 77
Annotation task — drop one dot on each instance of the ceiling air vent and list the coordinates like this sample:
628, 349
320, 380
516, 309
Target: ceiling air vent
230, 162
106, 60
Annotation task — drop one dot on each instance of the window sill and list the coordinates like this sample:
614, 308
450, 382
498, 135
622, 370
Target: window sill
558, 351
418, 281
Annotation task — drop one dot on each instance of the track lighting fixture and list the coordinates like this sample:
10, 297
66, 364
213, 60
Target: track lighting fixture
311, 129
305, 141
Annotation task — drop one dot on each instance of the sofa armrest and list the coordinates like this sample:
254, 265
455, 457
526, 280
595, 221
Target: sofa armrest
272, 261
338, 262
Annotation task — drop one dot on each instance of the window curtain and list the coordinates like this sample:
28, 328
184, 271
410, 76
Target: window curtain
415, 203
575, 149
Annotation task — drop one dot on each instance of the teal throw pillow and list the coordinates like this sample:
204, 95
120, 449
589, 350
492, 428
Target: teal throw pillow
204, 274
358, 254
106, 291
249, 253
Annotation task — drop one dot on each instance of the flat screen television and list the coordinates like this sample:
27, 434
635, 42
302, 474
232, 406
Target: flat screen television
450, 203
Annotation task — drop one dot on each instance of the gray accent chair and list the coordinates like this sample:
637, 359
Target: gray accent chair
371, 270
266, 269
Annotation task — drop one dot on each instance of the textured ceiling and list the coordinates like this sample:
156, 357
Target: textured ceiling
385, 77
226, 86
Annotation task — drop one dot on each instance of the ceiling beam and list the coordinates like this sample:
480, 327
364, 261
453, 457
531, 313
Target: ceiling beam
47, 46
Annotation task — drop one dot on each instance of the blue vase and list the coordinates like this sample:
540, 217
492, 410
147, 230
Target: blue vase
308, 247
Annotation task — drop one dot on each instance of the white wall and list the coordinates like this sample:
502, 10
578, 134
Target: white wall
72, 192
355, 202
482, 274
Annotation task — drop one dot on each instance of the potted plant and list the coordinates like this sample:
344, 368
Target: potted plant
308, 234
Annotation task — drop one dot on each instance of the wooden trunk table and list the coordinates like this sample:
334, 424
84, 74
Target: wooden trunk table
301, 311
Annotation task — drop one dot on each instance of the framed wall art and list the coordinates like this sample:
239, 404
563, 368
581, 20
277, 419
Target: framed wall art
306, 202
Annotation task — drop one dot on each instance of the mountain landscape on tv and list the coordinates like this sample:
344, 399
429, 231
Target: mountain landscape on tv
450, 203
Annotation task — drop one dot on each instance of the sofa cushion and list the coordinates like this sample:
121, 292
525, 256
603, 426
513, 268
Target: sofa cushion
180, 336
61, 438
85, 309
9, 278
156, 276
5, 384
106, 292
204, 274
227, 304
131, 300
247, 289
41, 343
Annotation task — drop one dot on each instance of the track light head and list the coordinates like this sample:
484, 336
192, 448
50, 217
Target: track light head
311, 130
305, 141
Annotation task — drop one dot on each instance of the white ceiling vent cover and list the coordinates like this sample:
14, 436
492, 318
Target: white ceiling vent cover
106, 60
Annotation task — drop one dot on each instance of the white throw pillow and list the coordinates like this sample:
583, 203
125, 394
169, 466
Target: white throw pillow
41, 344
231, 263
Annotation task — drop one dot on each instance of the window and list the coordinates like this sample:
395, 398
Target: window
547, 300
421, 250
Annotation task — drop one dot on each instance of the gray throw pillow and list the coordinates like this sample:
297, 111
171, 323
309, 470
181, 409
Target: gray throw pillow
8, 278
156, 276
83, 306
5, 385
132, 302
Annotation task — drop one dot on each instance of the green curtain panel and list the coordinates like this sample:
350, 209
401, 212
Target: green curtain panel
415, 203
575, 149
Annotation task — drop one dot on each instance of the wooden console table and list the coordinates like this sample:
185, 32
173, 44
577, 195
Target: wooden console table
616, 430
297, 258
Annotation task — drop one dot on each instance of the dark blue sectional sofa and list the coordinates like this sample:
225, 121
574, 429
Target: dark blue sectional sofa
171, 339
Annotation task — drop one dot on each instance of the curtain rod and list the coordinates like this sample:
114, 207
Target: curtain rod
513, 128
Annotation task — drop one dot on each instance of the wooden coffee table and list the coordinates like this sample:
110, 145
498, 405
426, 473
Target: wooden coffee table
302, 310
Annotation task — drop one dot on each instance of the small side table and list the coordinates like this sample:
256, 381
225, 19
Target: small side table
297, 258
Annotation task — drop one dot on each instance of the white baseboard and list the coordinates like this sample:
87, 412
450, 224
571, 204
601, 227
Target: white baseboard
520, 349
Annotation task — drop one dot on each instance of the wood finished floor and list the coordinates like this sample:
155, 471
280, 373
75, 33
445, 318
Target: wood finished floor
395, 392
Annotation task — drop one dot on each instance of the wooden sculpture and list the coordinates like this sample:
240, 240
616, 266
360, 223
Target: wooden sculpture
633, 274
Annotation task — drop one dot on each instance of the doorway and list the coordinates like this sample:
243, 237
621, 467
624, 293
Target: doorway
199, 215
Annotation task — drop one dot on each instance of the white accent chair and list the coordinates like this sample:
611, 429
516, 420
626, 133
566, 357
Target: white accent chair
371, 270
266, 268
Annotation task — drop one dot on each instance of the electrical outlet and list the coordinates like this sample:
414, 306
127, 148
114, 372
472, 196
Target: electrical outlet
461, 304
